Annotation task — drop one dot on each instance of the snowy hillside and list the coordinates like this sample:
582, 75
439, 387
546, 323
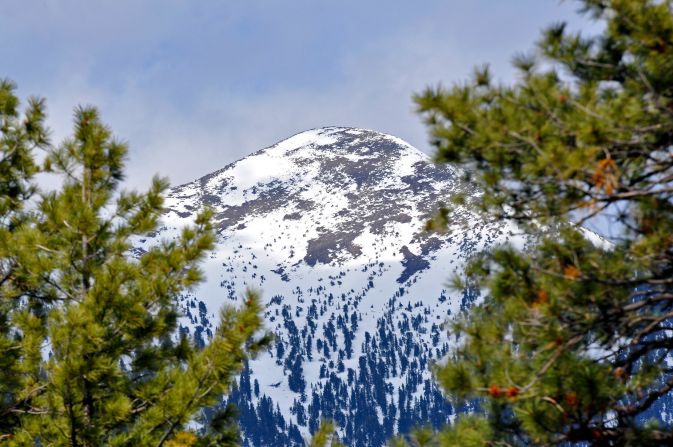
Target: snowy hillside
328, 224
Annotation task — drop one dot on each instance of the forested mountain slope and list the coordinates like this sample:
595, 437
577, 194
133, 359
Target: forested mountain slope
329, 225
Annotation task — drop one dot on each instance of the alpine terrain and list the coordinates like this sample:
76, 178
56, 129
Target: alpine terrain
329, 225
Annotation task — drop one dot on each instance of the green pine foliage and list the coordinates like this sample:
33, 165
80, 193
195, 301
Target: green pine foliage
325, 436
572, 345
20, 135
89, 349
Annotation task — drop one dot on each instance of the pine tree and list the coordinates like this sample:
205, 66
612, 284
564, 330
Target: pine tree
20, 135
90, 351
325, 436
573, 342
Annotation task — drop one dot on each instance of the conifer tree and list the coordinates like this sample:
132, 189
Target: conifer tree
572, 344
325, 436
20, 135
90, 354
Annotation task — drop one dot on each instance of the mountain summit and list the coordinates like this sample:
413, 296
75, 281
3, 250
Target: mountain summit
329, 224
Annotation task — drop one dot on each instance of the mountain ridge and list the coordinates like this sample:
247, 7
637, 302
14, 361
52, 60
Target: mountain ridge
330, 224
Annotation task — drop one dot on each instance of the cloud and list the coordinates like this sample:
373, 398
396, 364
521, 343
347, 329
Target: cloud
194, 86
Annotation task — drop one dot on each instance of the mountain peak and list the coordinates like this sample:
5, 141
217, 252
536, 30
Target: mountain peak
348, 138
330, 225
351, 180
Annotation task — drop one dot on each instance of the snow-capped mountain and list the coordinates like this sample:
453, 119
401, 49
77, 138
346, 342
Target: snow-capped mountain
329, 225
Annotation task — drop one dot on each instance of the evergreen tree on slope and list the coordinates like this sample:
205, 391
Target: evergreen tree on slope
90, 354
573, 342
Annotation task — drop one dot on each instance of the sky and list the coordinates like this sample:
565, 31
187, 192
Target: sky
193, 85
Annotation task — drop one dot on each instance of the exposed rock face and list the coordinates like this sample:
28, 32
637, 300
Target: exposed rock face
329, 224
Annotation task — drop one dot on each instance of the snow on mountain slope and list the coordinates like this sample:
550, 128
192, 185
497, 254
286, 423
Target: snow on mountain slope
329, 225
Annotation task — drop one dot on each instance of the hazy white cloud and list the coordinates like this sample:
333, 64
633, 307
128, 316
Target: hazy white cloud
196, 85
